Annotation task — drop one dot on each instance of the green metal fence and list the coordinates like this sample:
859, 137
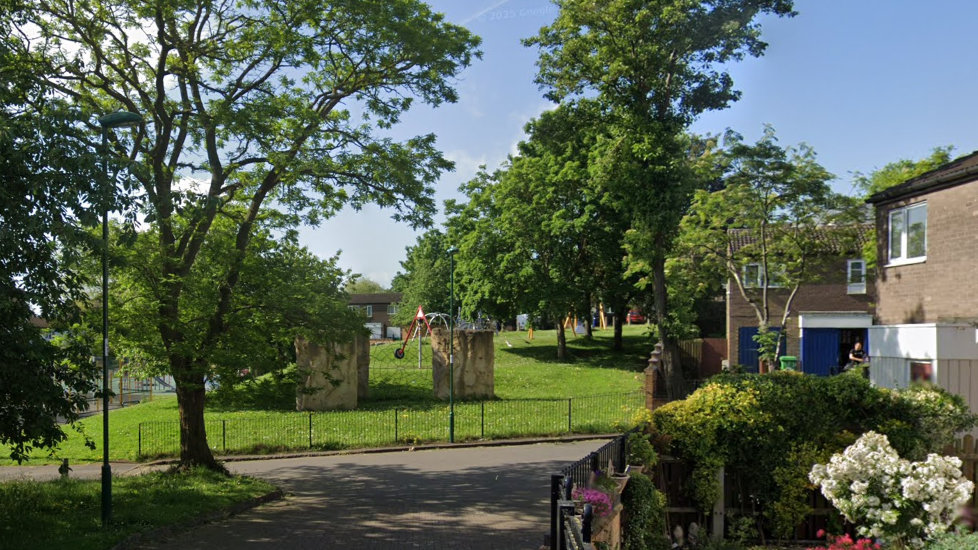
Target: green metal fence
265, 432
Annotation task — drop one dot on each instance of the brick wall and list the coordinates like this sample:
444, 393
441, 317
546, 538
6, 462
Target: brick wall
831, 294
943, 287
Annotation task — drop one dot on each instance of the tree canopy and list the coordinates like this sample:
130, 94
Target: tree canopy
654, 65
284, 102
773, 225
50, 192
425, 279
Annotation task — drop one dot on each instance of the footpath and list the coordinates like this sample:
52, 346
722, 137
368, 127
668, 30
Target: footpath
477, 498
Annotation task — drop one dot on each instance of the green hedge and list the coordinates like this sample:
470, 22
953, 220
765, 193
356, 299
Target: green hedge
769, 430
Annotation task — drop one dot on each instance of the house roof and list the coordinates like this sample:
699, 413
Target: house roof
835, 240
958, 171
378, 298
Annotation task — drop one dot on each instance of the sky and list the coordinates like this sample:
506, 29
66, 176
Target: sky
864, 82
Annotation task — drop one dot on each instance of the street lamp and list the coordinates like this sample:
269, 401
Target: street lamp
451, 348
120, 119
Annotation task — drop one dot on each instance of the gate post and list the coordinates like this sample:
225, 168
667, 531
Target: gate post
719, 509
556, 480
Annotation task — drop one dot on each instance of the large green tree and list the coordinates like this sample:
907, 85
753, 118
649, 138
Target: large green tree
49, 195
772, 228
262, 102
655, 65
425, 279
364, 285
284, 290
538, 236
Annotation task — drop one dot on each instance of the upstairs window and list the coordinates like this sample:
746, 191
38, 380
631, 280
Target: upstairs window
908, 234
753, 276
391, 309
856, 277
370, 311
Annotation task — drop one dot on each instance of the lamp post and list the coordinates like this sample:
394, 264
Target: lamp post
451, 348
120, 119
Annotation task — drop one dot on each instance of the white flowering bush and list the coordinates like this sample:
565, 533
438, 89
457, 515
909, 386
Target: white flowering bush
902, 502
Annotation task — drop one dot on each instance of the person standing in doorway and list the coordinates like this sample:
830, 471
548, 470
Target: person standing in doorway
857, 358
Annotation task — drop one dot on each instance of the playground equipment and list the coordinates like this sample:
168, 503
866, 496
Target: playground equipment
399, 353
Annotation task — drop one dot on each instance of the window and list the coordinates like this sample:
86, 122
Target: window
921, 371
391, 309
753, 276
908, 234
370, 311
856, 277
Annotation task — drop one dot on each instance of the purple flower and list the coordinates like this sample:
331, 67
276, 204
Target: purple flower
600, 502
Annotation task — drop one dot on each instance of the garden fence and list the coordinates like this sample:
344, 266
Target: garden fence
402, 425
566, 529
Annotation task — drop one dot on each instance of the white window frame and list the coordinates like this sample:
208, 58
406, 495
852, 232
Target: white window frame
761, 277
904, 214
932, 370
752, 283
855, 287
370, 312
391, 309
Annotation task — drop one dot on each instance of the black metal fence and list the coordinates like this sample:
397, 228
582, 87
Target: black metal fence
257, 432
567, 530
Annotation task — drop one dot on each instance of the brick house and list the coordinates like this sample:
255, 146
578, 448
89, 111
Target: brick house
828, 317
378, 309
927, 312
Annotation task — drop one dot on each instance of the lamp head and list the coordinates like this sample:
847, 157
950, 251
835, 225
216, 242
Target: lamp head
120, 119
452, 251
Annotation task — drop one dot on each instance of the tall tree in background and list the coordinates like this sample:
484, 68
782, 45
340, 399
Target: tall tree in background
543, 239
771, 228
655, 65
363, 285
426, 278
254, 100
49, 195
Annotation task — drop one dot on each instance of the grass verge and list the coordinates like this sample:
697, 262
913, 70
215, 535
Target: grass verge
260, 416
66, 514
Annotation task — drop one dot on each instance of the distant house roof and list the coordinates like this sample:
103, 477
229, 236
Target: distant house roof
39, 322
831, 236
379, 298
958, 171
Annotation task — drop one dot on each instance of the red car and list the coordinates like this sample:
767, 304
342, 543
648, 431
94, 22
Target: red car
635, 317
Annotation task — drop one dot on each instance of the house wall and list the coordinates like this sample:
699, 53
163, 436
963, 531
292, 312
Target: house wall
960, 376
938, 289
829, 295
954, 348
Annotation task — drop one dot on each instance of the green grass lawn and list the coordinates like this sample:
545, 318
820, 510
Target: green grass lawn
535, 395
66, 514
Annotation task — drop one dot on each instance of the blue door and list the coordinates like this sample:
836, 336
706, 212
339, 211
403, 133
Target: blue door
819, 350
747, 354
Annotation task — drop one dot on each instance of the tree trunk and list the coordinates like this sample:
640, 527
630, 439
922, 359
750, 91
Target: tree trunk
561, 341
618, 341
589, 321
194, 450
671, 368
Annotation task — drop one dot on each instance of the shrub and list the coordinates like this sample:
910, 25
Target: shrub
845, 542
901, 501
769, 430
954, 541
640, 451
644, 516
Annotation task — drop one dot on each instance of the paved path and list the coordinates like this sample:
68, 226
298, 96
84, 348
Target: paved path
466, 499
